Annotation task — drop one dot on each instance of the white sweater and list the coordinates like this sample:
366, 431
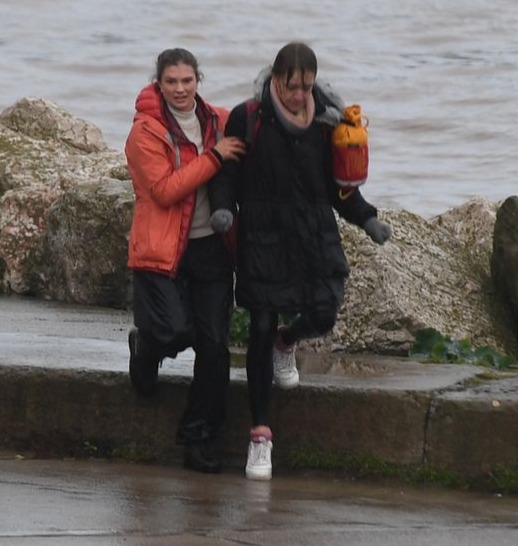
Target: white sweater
190, 125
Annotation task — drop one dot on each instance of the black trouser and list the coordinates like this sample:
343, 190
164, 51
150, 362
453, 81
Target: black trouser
259, 362
192, 309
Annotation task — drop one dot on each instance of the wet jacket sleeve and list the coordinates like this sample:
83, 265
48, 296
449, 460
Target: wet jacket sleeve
153, 171
355, 209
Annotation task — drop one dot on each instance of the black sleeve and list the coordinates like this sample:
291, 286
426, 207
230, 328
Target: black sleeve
355, 209
222, 187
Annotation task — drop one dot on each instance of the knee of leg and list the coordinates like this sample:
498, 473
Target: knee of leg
222, 360
211, 347
324, 320
262, 327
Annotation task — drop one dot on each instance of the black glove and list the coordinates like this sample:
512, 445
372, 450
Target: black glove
377, 231
221, 220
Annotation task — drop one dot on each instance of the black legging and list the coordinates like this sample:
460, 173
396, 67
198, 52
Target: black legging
259, 363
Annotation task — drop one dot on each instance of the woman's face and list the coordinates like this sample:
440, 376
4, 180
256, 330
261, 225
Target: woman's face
293, 93
178, 84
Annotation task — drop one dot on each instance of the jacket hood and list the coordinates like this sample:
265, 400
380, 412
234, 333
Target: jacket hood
149, 102
328, 103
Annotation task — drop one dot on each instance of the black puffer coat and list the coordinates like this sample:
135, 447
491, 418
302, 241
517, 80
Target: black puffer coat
289, 253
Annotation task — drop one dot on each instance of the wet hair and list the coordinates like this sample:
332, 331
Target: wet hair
292, 57
172, 57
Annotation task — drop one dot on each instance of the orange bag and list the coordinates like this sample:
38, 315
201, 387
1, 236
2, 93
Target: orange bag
350, 150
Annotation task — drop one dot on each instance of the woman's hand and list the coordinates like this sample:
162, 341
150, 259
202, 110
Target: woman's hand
230, 148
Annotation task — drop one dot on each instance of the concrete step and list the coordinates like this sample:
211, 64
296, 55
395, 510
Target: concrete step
65, 391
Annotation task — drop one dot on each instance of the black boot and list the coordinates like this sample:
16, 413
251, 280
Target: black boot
201, 457
143, 364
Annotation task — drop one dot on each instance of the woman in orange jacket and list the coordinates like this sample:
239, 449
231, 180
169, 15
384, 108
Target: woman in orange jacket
182, 269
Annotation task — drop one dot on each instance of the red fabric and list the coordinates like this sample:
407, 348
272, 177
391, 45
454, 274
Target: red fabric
350, 165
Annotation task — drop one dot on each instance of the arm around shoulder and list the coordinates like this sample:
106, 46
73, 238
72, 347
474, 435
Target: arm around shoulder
152, 166
222, 187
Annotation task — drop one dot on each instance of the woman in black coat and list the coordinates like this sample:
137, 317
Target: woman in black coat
290, 259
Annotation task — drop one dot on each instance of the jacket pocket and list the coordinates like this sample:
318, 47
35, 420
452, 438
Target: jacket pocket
263, 257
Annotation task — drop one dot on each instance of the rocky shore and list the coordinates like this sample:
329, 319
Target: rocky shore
65, 211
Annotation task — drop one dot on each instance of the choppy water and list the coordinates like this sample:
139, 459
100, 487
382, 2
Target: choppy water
438, 79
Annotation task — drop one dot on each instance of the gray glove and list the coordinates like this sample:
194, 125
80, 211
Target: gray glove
221, 220
377, 231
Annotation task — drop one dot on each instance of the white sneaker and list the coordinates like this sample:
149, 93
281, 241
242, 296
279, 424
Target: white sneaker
285, 373
259, 462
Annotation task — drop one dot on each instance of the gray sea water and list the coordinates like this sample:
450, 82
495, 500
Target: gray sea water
437, 79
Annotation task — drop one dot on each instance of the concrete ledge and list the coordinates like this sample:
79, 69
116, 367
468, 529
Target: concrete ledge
59, 413
475, 431
62, 412
65, 391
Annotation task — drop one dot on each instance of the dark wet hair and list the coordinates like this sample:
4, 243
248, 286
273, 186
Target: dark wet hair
171, 57
292, 57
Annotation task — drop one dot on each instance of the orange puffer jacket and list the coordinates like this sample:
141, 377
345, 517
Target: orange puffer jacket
165, 192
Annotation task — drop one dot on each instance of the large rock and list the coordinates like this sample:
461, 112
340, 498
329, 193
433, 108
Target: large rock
430, 274
65, 211
65, 207
504, 260
83, 254
44, 121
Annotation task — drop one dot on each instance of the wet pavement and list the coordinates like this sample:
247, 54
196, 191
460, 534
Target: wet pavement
105, 503
51, 334
99, 503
